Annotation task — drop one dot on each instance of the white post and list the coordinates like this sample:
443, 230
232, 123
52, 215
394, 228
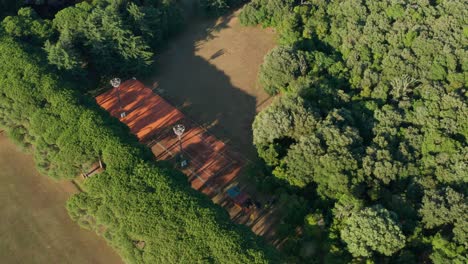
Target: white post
115, 82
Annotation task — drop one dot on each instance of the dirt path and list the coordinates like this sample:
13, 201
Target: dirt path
210, 71
34, 224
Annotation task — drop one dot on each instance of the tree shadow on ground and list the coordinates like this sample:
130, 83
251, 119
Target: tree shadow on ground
206, 94
203, 92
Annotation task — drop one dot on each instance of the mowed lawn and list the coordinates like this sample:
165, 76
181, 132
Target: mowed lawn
34, 224
210, 72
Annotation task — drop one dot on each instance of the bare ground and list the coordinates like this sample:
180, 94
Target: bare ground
210, 71
34, 224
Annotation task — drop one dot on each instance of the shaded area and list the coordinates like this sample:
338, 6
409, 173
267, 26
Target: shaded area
210, 72
35, 226
48, 8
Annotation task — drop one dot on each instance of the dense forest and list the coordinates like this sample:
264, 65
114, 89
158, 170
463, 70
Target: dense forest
144, 209
370, 127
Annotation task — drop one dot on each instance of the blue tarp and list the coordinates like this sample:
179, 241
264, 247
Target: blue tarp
233, 191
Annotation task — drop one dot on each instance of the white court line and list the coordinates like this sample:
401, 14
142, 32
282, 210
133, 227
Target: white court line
217, 190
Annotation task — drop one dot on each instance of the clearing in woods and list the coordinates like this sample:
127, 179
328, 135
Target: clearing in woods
34, 224
210, 71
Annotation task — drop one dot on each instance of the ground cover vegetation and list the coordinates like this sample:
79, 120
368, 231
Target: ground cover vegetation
370, 129
146, 210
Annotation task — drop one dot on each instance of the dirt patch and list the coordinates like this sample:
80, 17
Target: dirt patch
210, 72
34, 224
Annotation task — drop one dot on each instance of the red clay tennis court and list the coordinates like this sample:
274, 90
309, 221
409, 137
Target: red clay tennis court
151, 118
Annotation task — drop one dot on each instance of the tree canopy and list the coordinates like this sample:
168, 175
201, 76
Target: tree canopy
377, 114
372, 229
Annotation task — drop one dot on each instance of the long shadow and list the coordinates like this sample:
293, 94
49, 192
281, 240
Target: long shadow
206, 94
203, 92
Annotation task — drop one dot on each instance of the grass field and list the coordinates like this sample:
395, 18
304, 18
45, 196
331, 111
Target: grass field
34, 224
210, 71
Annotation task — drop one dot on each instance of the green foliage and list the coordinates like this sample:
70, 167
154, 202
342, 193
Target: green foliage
145, 203
27, 26
104, 38
345, 206
249, 16
211, 8
288, 116
100, 34
64, 57
281, 66
447, 252
444, 207
325, 158
360, 31
317, 150
373, 230
265, 12
383, 116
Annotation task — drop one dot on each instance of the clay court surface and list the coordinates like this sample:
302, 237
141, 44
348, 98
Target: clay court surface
34, 224
210, 73
212, 165
151, 118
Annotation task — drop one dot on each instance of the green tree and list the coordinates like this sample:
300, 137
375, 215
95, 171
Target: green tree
288, 116
325, 158
109, 40
110, 37
445, 206
281, 66
446, 251
64, 56
266, 12
372, 229
28, 26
